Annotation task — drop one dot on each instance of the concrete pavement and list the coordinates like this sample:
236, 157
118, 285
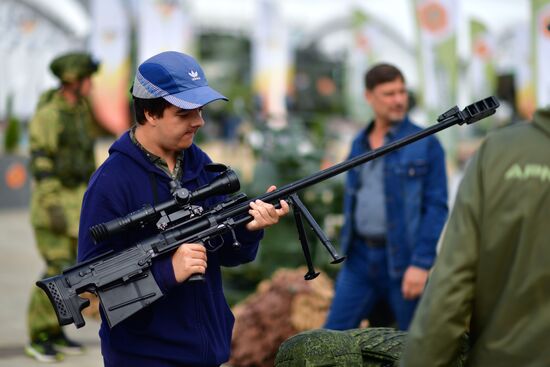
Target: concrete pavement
20, 267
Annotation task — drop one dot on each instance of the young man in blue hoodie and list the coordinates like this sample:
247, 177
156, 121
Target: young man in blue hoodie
192, 324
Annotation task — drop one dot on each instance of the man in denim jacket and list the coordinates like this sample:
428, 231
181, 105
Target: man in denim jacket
394, 207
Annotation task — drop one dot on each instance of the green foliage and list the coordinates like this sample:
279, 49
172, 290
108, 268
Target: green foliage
12, 135
318, 86
284, 156
226, 60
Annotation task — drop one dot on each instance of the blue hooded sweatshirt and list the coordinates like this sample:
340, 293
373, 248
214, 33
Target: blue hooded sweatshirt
192, 324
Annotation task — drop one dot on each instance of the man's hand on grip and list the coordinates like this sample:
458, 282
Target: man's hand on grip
189, 259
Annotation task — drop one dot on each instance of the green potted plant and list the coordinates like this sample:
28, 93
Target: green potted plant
14, 173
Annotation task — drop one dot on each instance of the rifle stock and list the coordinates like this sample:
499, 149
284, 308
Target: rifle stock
124, 281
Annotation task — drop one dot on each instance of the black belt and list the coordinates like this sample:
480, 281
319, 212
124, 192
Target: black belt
374, 242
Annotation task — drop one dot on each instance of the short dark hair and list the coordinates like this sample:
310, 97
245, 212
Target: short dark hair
154, 106
382, 73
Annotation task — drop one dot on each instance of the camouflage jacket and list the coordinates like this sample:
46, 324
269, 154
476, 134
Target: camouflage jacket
62, 158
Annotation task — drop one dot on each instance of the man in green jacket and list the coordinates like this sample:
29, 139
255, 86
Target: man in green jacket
492, 277
62, 134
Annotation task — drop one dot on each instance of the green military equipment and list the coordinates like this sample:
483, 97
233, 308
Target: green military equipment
382, 347
379, 346
320, 348
74, 66
371, 347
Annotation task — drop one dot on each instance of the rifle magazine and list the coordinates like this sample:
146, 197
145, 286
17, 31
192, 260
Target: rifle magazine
122, 300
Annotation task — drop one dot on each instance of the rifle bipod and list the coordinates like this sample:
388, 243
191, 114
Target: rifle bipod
300, 211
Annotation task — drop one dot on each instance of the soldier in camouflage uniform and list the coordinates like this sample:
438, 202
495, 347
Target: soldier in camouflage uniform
62, 134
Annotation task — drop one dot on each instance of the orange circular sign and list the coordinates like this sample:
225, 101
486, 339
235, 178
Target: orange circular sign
16, 175
325, 86
433, 17
481, 49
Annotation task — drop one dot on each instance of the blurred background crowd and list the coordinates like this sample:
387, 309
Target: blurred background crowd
293, 71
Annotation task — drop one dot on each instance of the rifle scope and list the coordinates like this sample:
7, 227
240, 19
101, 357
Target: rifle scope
225, 183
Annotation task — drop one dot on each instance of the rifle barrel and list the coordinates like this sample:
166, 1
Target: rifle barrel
470, 114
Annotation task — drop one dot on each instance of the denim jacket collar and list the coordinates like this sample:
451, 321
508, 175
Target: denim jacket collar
397, 131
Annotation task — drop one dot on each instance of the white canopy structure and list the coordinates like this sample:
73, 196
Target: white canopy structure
34, 31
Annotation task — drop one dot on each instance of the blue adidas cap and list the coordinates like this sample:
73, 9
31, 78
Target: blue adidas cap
176, 77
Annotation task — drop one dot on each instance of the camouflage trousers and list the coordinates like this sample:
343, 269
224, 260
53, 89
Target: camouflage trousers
59, 252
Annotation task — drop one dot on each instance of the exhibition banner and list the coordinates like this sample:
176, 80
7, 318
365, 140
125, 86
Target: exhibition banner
110, 44
271, 62
541, 37
437, 48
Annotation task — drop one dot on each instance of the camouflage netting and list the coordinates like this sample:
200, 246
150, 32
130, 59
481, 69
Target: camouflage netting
281, 307
378, 347
320, 348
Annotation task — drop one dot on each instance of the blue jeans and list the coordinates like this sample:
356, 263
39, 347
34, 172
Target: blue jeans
361, 283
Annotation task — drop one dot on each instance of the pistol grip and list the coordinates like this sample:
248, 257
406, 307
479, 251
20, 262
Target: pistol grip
196, 277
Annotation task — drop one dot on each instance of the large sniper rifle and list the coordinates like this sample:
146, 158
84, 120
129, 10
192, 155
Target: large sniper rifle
124, 281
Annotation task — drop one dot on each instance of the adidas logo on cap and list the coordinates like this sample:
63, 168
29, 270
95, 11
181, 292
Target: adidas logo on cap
194, 75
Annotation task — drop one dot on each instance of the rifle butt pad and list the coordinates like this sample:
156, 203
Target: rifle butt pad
68, 307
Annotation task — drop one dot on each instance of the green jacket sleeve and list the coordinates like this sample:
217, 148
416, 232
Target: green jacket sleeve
443, 314
46, 209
